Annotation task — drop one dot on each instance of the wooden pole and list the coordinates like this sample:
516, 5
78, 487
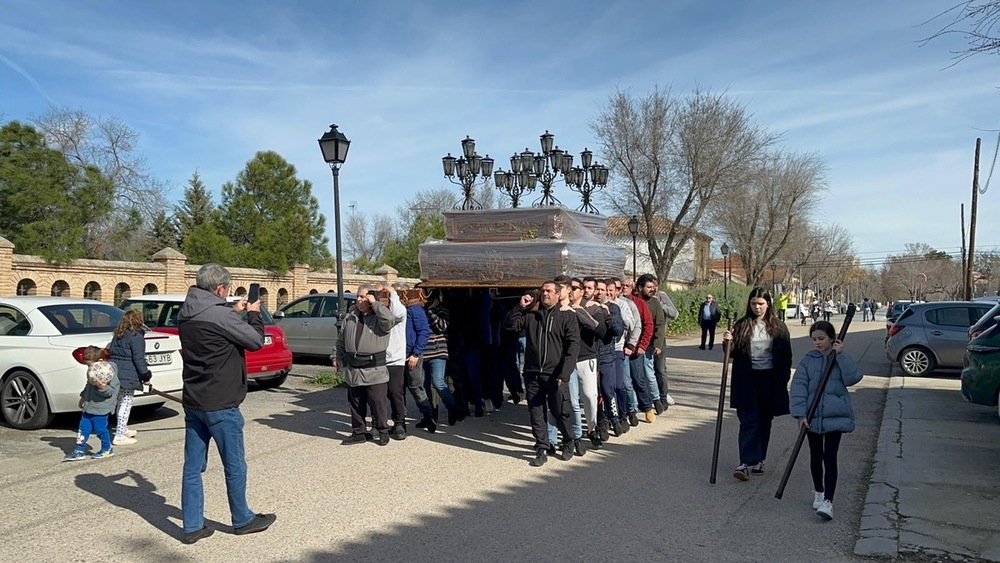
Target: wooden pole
972, 224
964, 269
727, 346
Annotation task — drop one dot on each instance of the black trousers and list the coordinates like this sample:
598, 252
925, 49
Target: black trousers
368, 397
755, 420
397, 393
660, 373
545, 394
708, 330
823, 455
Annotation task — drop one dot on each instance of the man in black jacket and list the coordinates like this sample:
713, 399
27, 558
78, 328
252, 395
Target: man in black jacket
215, 339
553, 342
708, 317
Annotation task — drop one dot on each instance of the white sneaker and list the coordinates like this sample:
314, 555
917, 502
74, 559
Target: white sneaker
670, 400
817, 500
489, 406
123, 441
825, 510
130, 433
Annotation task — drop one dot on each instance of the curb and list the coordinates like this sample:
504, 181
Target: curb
879, 531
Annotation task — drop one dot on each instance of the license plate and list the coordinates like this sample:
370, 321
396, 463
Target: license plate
159, 359
267, 340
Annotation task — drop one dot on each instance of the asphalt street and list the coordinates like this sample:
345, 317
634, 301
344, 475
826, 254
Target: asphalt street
464, 493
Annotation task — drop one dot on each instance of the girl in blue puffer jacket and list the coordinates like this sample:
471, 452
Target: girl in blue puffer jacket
833, 416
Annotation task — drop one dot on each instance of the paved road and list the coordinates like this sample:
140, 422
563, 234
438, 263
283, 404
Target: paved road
463, 494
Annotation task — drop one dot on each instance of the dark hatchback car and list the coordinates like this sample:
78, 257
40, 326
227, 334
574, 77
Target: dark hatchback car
986, 322
310, 323
981, 374
927, 336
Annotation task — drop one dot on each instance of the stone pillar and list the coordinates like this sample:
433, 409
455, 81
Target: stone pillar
174, 263
8, 282
300, 281
388, 272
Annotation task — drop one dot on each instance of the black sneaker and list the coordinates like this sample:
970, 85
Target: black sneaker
431, 426
626, 426
595, 440
568, 450
259, 523
757, 469
422, 423
658, 406
579, 448
516, 398
382, 439
480, 411
352, 440
616, 427
633, 419
452, 417
551, 450
398, 432
540, 458
192, 537
602, 431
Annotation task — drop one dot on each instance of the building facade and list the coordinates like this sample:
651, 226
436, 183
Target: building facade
689, 269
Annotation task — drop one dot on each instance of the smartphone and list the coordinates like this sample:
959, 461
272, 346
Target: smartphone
254, 294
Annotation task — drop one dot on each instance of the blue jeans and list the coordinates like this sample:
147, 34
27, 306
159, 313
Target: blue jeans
96, 424
434, 370
632, 404
225, 426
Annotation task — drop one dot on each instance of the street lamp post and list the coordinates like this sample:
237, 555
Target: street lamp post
725, 273
633, 227
774, 282
465, 170
334, 145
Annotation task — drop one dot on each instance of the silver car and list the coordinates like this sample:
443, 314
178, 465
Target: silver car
927, 336
310, 323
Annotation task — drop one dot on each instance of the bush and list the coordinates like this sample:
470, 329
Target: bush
328, 379
688, 303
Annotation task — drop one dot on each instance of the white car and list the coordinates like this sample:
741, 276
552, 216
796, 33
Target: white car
41, 356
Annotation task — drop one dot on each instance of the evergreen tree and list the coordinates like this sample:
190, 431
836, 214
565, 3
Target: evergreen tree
271, 218
206, 244
163, 233
195, 209
403, 253
47, 203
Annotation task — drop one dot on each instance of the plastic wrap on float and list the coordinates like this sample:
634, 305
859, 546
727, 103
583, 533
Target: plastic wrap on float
518, 248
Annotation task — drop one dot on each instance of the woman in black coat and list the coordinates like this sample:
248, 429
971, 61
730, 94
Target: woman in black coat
128, 352
762, 366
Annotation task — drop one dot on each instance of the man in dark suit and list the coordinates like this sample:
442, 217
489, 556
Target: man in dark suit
708, 317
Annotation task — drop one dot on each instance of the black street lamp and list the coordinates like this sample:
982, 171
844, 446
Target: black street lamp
633, 227
725, 272
774, 282
334, 145
465, 170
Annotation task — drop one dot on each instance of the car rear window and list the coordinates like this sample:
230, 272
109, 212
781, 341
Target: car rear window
949, 316
163, 314
82, 318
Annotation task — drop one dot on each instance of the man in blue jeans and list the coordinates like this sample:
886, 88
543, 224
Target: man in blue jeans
215, 338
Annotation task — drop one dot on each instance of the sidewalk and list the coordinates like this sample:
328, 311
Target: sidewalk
934, 486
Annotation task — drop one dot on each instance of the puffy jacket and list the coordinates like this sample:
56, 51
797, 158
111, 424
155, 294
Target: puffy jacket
128, 353
100, 401
834, 412
215, 340
552, 340
417, 330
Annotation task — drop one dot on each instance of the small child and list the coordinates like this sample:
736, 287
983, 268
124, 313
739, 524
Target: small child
97, 400
833, 416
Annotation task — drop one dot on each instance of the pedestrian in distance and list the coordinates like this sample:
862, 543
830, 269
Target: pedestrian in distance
215, 340
833, 416
128, 353
97, 400
708, 318
866, 310
762, 365
783, 298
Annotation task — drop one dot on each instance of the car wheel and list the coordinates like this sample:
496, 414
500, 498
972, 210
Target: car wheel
916, 361
272, 382
23, 402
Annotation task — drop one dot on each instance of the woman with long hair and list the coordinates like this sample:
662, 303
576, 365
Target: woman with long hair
128, 353
762, 365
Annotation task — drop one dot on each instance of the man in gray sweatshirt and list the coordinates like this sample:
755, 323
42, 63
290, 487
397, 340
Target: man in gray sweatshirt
361, 351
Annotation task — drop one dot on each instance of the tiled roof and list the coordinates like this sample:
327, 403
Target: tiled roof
618, 227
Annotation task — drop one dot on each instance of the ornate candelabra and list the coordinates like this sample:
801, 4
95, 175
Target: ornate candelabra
586, 179
529, 169
465, 170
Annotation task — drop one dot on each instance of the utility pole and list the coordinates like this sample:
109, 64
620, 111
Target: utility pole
972, 224
964, 269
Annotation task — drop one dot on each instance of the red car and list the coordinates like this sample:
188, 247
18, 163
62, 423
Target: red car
268, 367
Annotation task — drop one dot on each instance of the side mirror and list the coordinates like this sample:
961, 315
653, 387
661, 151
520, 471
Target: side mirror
278, 314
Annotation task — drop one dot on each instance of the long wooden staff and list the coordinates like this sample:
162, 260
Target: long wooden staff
164, 395
815, 403
726, 347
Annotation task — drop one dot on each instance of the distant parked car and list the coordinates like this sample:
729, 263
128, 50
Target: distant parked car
927, 336
267, 367
981, 374
310, 323
42, 340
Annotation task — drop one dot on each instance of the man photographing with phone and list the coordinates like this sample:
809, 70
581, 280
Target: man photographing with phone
215, 340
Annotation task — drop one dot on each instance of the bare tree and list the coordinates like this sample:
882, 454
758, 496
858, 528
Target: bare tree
434, 200
922, 271
366, 235
671, 158
111, 146
823, 257
760, 217
976, 21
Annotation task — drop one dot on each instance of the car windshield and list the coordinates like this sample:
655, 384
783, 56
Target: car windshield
82, 318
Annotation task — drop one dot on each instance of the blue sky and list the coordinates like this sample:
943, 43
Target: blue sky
209, 83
